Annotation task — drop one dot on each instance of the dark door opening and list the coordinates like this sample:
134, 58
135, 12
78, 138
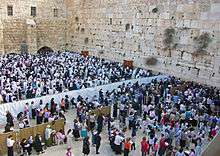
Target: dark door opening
45, 50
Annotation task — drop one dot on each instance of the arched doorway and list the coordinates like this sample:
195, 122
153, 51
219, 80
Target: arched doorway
45, 50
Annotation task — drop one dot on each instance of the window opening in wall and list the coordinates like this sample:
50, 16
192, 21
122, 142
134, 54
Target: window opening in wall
10, 10
55, 12
33, 11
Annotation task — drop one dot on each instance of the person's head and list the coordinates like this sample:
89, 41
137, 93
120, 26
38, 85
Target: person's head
23, 140
10, 136
87, 138
69, 131
192, 150
30, 138
144, 138
69, 148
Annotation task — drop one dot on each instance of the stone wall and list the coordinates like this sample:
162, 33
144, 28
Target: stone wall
41, 30
135, 29
183, 36
1, 38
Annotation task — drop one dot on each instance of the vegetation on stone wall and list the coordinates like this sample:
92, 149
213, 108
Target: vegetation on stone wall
82, 30
101, 52
201, 43
168, 41
151, 61
127, 26
86, 40
77, 19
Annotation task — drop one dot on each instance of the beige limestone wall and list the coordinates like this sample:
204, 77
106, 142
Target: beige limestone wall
14, 32
121, 29
1, 39
100, 27
42, 30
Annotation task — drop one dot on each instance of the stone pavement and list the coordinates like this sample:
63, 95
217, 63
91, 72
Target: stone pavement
105, 149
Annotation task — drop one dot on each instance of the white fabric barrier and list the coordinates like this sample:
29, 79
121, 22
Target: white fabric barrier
18, 106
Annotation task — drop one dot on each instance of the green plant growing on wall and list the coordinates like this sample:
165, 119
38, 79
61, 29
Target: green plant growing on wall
168, 41
101, 52
127, 26
201, 43
86, 40
151, 61
82, 30
77, 19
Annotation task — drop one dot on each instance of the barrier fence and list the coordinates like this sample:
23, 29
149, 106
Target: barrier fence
26, 133
103, 111
18, 106
212, 149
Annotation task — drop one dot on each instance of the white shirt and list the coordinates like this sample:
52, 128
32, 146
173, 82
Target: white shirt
118, 139
10, 142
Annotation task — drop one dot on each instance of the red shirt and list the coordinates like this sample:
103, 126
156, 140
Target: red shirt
144, 146
155, 147
162, 143
127, 145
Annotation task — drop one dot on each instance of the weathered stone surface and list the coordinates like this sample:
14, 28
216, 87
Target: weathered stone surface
125, 29
42, 30
145, 38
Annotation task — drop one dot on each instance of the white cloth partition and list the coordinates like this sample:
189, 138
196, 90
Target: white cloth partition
18, 106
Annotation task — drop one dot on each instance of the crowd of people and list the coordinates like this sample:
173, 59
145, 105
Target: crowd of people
175, 118
26, 145
30, 76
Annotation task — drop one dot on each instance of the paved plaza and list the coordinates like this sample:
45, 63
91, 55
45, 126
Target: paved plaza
105, 149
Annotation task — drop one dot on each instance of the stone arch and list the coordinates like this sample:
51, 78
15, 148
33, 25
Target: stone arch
45, 50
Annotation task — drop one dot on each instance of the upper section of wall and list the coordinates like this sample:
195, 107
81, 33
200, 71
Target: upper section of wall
182, 35
36, 23
178, 37
24, 9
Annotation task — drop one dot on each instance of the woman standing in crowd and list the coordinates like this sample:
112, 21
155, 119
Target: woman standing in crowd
38, 144
10, 144
86, 146
144, 146
127, 146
